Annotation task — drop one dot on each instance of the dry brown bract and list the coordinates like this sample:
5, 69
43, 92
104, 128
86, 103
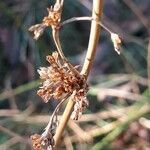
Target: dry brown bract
36, 142
53, 20
58, 81
81, 103
116, 42
39, 142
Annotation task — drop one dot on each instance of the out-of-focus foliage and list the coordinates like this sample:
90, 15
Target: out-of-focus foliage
116, 81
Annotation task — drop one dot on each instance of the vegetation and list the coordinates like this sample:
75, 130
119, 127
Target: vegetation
116, 114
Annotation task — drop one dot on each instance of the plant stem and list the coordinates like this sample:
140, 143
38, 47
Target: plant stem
85, 18
64, 119
55, 33
93, 40
50, 123
94, 37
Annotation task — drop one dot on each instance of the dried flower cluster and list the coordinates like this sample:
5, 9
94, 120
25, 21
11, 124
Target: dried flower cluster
80, 105
58, 81
61, 80
116, 42
53, 20
41, 142
36, 141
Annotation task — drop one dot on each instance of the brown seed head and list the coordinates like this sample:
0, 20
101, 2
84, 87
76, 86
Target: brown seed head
52, 20
59, 81
36, 142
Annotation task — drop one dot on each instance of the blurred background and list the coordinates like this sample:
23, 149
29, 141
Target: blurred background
119, 96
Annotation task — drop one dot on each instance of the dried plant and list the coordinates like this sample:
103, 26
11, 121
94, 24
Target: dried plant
52, 20
62, 80
116, 41
58, 80
41, 142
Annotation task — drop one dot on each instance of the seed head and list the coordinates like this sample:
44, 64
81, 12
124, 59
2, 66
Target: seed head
36, 142
81, 103
40, 142
51, 20
116, 41
59, 81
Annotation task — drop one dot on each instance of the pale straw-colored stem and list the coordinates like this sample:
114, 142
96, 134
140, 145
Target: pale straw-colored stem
94, 37
85, 18
93, 41
55, 33
50, 123
63, 122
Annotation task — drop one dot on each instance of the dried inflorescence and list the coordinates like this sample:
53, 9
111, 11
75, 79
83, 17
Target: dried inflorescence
81, 103
36, 142
116, 42
52, 20
42, 142
58, 81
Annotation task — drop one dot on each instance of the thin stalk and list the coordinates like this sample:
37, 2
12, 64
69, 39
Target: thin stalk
50, 123
85, 18
93, 41
55, 33
63, 122
94, 37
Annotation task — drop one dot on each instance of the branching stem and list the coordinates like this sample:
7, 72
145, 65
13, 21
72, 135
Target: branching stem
55, 33
94, 37
86, 18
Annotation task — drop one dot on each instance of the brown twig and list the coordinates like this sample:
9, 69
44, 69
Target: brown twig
8, 112
114, 37
81, 134
43, 119
67, 142
97, 131
94, 37
116, 92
